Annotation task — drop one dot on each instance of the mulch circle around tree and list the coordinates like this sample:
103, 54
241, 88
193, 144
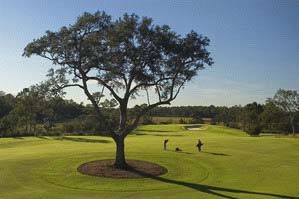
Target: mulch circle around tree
135, 169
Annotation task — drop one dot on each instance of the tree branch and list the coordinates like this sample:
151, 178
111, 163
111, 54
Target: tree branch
148, 84
152, 106
70, 85
119, 99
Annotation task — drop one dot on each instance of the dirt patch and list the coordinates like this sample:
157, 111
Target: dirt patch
193, 127
135, 169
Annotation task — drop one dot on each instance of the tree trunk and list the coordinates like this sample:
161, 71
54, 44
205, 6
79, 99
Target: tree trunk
26, 125
120, 160
293, 126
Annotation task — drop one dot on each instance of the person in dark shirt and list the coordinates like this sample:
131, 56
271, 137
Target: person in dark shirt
165, 144
199, 144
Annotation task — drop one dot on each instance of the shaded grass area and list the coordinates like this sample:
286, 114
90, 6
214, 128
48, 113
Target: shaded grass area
82, 139
212, 190
163, 135
231, 165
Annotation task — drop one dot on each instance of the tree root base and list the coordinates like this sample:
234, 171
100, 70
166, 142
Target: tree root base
134, 169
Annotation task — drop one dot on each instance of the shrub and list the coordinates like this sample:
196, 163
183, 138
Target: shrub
182, 121
196, 120
68, 128
253, 129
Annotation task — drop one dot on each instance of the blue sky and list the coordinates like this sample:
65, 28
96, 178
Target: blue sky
255, 44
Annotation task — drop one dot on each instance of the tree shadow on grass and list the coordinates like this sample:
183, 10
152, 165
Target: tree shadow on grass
184, 152
213, 189
75, 139
161, 135
43, 137
213, 153
161, 131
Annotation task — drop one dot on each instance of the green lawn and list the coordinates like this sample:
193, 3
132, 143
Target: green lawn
231, 165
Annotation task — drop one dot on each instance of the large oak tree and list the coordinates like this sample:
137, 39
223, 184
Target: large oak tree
126, 56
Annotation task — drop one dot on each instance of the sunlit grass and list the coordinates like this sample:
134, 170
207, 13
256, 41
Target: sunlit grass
231, 165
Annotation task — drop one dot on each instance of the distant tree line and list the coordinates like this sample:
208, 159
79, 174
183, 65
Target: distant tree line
34, 111
279, 114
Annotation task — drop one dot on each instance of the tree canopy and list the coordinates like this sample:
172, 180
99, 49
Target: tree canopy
125, 56
287, 101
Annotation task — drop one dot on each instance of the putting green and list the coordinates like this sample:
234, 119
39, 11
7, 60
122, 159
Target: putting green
231, 165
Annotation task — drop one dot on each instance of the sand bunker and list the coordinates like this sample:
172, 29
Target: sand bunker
193, 127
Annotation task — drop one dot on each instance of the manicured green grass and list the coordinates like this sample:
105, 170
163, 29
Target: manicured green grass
231, 165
